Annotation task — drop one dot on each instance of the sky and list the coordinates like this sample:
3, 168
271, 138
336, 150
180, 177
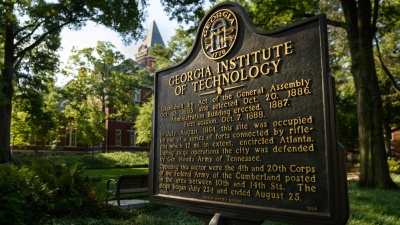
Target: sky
89, 35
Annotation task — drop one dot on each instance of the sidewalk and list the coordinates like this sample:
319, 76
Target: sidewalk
353, 176
130, 203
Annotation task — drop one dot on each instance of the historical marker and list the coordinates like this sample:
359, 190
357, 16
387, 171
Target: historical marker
245, 126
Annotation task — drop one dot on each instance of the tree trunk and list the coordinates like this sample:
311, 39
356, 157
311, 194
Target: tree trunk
5, 124
360, 33
374, 167
7, 90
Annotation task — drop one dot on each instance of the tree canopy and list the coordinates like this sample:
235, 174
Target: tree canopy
101, 90
35, 117
30, 36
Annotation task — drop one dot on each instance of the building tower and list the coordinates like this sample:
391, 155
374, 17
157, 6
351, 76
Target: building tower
153, 37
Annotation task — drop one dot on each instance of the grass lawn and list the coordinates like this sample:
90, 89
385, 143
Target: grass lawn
374, 206
107, 174
371, 206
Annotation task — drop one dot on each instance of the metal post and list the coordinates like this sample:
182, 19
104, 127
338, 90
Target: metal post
218, 219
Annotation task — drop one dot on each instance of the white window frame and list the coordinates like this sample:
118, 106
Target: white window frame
118, 137
136, 95
133, 137
71, 136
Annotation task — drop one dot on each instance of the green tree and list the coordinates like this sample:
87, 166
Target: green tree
339, 60
143, 123
347, 114
35, 117
185, 11
101, 90
30, 30
81, 111
360, 21
387, 54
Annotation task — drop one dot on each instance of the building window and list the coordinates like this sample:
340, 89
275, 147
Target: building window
70, 136
133, 138
117, 137
136, 95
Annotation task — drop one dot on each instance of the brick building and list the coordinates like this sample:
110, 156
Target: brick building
395, 144
120, 135
153, 37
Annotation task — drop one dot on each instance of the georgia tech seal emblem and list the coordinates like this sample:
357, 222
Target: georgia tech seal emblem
219, 34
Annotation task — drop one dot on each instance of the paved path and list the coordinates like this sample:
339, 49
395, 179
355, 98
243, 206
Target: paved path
130, 203
353, 176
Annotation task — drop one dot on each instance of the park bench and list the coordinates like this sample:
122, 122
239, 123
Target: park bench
128, 184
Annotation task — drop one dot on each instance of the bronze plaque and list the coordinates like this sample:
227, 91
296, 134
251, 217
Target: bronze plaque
245, 126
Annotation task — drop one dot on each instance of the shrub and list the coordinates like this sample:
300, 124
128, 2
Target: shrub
127, 159
20, 194
96, 161
394, 166
34, 194
163, 215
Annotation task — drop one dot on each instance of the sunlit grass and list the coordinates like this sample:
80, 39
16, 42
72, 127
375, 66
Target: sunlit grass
372, 206
107, 174
93, 161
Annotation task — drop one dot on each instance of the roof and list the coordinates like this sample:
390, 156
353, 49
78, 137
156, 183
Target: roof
129, 65
153, 36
